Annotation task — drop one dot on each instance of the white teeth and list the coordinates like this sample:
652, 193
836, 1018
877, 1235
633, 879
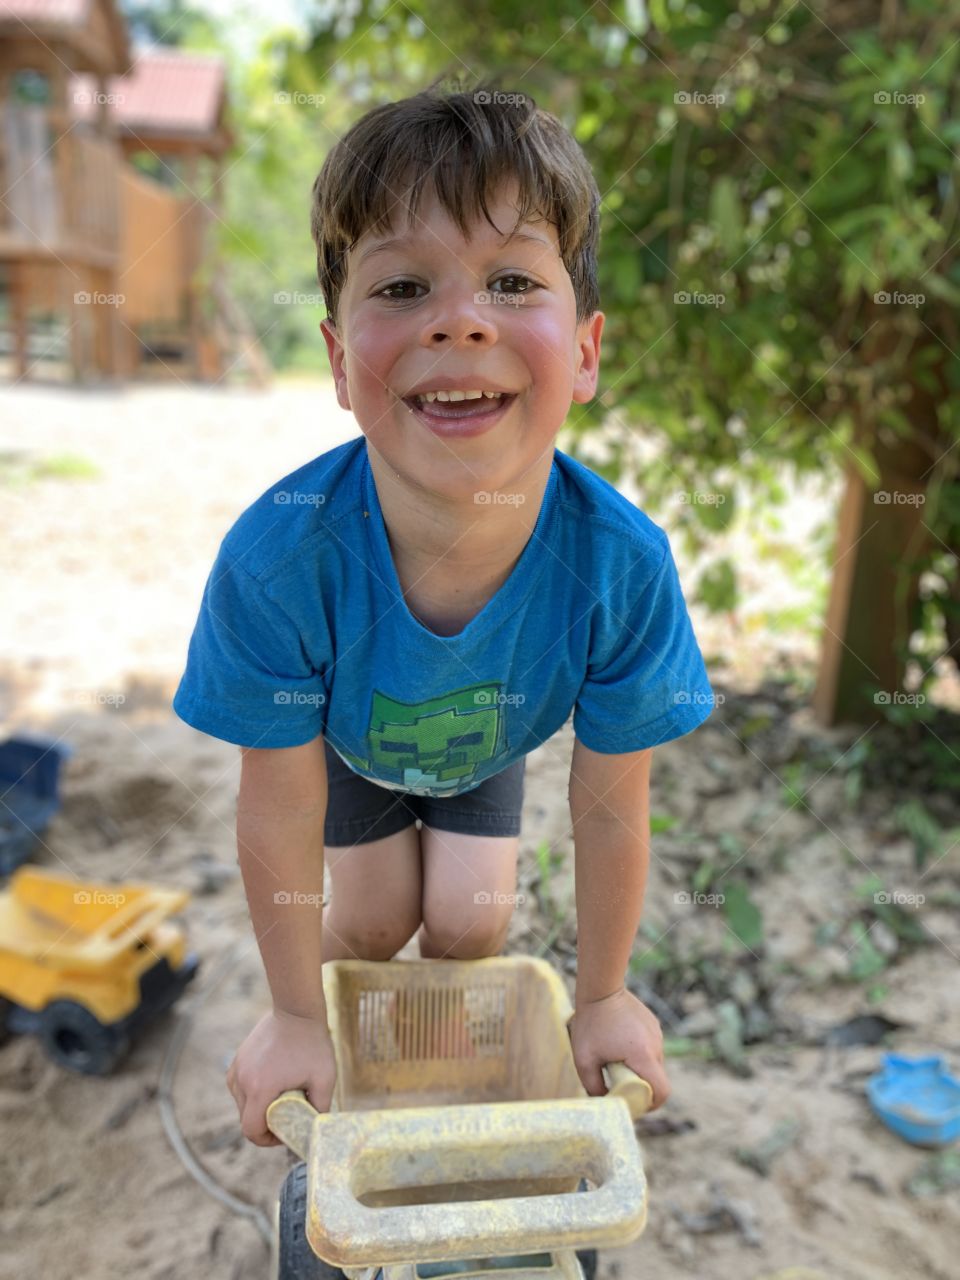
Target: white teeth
459, 395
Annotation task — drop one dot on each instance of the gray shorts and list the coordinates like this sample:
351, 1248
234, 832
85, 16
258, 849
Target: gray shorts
359, 811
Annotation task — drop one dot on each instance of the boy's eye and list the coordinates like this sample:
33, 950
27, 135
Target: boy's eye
398, 284
517, 280
524, 279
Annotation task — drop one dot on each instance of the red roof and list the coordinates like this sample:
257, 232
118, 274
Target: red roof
168, 92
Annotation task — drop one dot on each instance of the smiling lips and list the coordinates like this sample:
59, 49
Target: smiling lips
457, 413
455, 404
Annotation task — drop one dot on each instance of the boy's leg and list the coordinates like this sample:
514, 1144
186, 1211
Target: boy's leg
375, 897
468, 893
374, 867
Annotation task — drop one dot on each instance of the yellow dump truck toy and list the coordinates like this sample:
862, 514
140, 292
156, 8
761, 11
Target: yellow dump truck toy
459, 1140
85, 965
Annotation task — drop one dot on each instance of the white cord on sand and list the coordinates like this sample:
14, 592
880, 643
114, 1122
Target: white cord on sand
167, 1114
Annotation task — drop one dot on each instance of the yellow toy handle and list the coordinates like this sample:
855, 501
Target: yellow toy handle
626, 1084
291, 1116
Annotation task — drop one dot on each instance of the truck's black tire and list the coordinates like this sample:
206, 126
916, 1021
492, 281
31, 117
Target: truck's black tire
297, 1261
74, 1038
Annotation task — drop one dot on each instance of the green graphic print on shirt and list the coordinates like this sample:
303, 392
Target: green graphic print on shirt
435, 744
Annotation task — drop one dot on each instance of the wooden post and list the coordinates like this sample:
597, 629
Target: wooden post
195, 243
880, 530
19, 317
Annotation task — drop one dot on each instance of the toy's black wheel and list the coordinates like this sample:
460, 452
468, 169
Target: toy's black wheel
74, 1038
588, 1263
587, 1257
297, 1261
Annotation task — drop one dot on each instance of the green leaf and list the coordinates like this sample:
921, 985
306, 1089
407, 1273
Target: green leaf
900, 158
865, 959
717, 587
728, 1037
865, 465
717, 514
743, 915
725, 213
662, 822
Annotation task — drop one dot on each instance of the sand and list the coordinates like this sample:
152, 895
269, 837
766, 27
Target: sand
105, 577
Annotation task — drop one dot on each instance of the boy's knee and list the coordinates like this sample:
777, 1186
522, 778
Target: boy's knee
470, 935
379, 938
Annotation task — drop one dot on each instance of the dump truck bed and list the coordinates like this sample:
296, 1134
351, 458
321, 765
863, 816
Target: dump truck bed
83, 924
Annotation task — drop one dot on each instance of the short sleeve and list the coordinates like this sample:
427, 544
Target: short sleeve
646, 680
248, 679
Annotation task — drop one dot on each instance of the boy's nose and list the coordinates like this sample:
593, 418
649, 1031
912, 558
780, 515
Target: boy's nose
464, 320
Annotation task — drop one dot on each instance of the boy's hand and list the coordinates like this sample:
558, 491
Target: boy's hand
283, 1051
618, 1028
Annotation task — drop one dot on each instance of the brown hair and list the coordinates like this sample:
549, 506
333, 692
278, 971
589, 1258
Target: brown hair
465, 145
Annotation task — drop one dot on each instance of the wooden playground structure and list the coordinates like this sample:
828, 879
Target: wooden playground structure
111, 168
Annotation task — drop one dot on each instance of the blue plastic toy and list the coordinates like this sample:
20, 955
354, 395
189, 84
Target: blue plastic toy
29, 785
917, 1098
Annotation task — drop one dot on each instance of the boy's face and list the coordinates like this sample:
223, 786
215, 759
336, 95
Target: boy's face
432, 313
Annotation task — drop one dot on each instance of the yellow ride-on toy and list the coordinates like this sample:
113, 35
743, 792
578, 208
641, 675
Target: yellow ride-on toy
85, 965
460, 1140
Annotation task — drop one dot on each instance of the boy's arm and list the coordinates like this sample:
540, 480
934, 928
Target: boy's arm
610, 808
280, 814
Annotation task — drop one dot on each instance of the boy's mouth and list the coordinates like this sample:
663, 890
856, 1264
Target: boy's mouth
466, 415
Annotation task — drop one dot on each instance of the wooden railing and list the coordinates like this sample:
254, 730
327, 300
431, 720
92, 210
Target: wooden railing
61, 187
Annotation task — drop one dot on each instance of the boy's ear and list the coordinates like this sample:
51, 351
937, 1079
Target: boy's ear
588, 357
337, 360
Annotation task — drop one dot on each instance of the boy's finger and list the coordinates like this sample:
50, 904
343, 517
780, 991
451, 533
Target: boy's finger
591, 1077
656, 1077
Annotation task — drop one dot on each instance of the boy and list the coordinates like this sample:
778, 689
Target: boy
389, 630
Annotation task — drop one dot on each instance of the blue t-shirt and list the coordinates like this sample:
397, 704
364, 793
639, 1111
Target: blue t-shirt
303, 630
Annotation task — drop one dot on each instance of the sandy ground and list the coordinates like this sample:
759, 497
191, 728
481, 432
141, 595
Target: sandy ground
104, 576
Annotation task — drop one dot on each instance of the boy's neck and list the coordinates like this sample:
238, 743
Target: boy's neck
432, 533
